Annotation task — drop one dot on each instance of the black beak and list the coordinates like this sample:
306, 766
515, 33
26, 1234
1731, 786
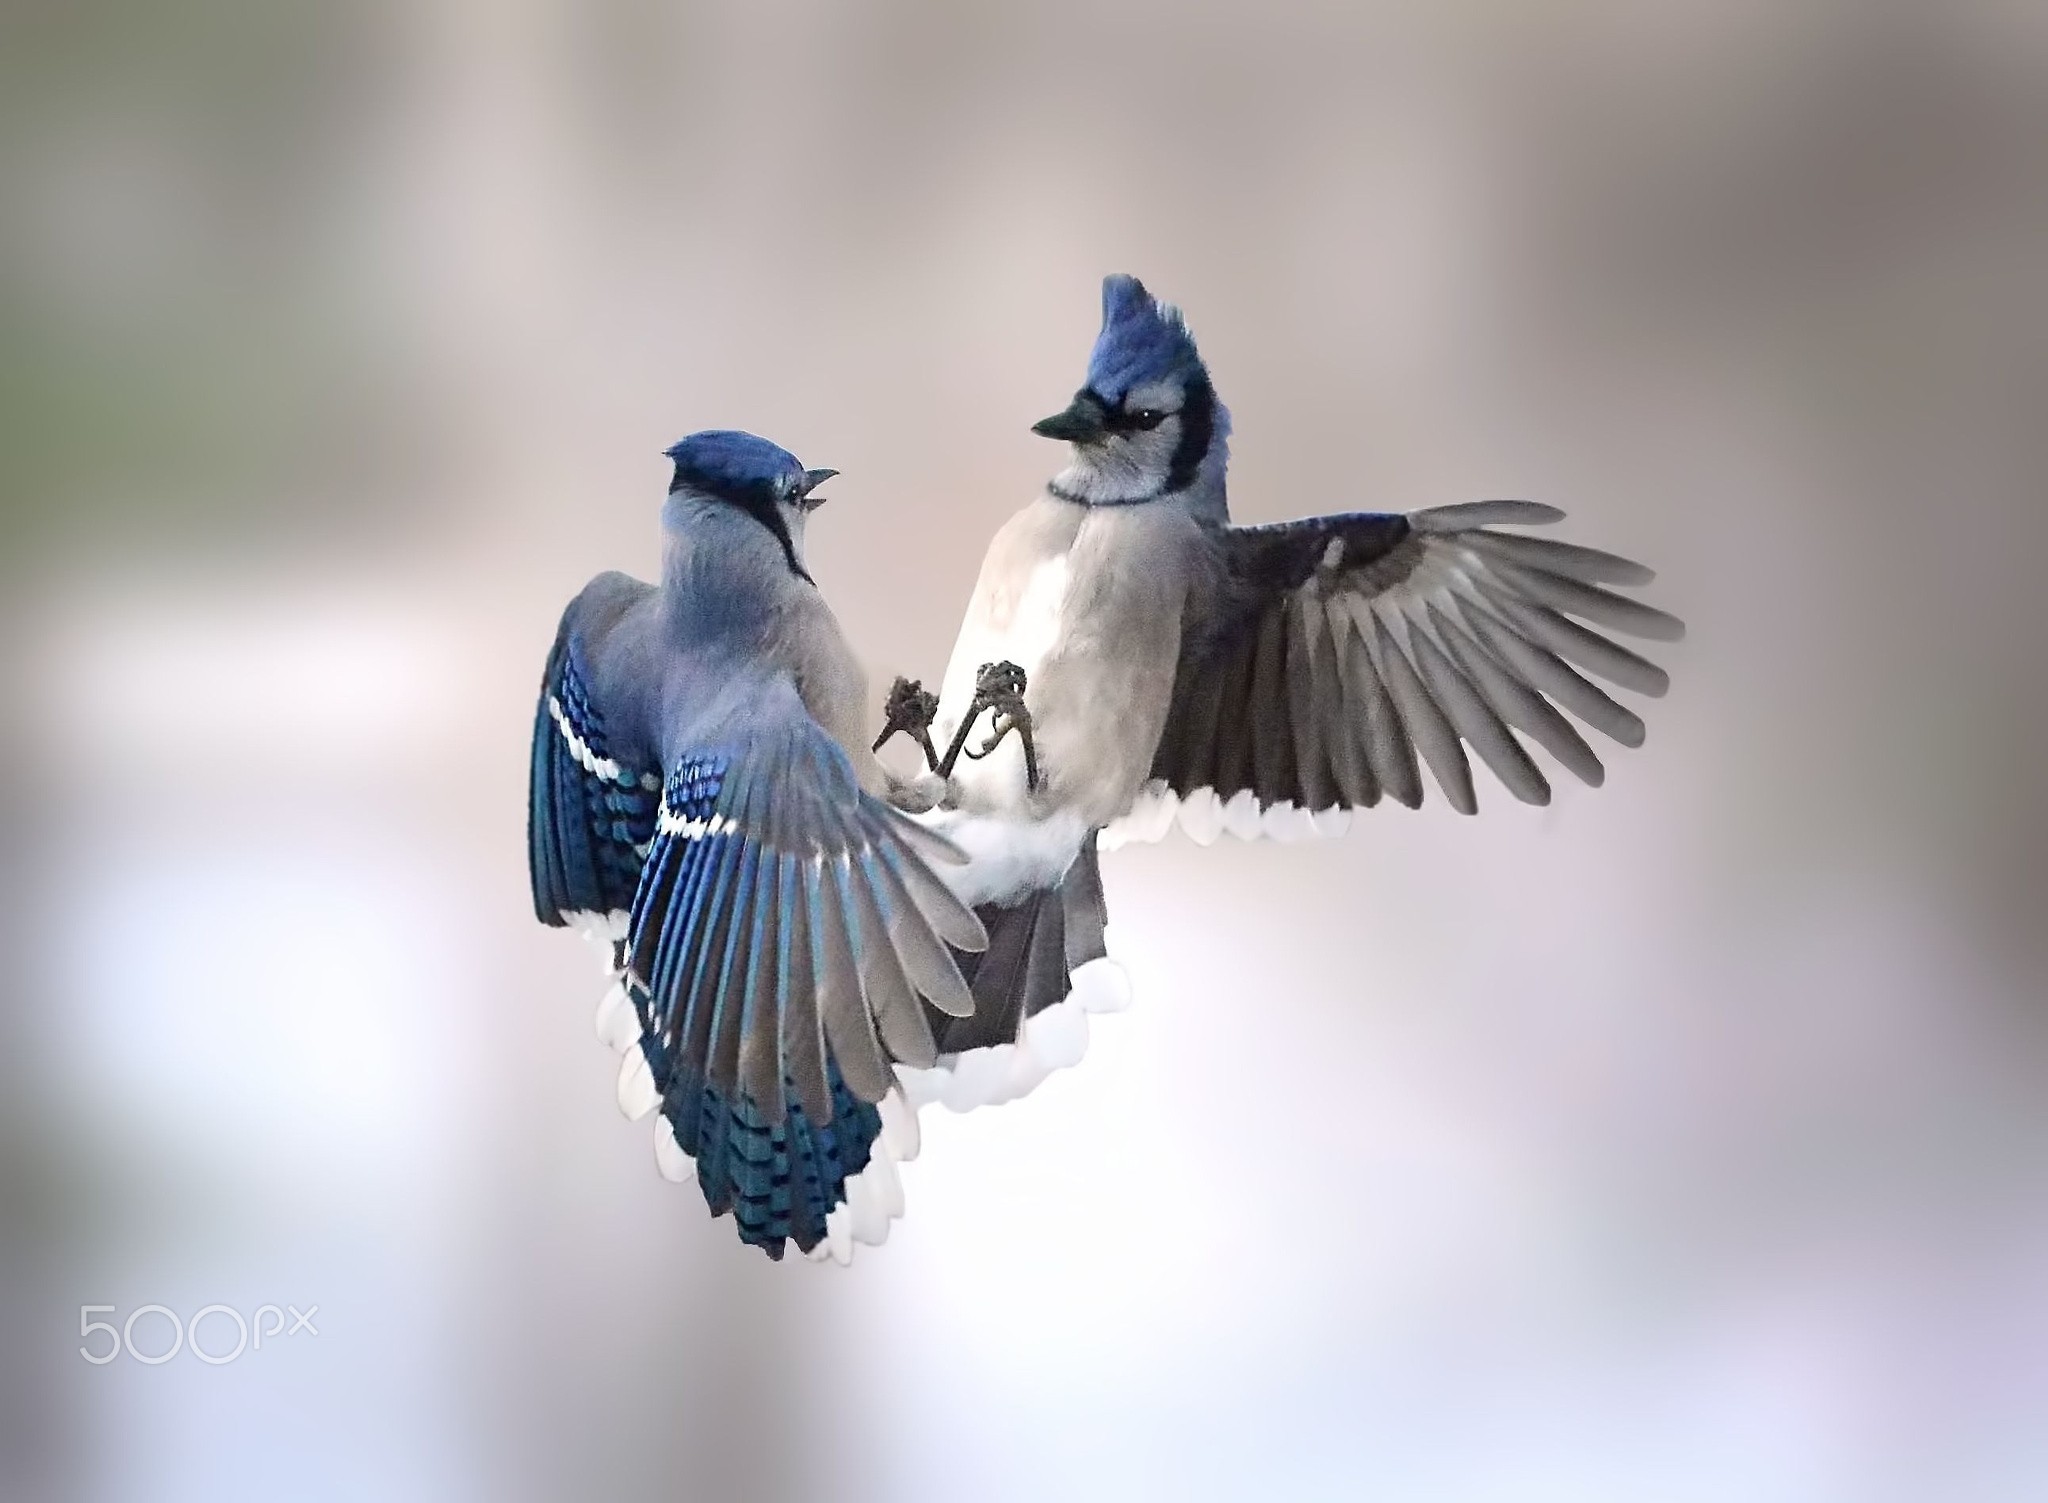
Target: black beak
812, 480
1081, 423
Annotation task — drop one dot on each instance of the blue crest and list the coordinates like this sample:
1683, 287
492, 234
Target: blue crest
726, 462
1142, 340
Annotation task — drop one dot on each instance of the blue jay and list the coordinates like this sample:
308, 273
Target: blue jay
703, 800
1145, 659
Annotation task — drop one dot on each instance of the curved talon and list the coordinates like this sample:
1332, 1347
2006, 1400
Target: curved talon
1000, 727
945, 767
999, 688
910, 710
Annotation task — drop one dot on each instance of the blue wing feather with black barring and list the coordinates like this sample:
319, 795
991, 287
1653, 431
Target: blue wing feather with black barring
1346, 652
784, 928
590, 815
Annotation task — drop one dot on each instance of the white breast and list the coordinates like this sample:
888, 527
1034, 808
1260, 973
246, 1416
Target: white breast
1020, 630
1023, 629
1015, 844
1035, 625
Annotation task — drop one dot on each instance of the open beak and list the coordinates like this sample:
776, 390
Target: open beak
1081, 423
812, 480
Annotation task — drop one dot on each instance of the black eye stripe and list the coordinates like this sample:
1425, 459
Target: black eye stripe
1136, 420
760, 499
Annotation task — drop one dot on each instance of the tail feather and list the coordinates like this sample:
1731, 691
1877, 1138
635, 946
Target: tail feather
780, 1180
1009, 976
874, 1197
1086, 912
783, 1182
1046, 976
1034, 947
1046, 967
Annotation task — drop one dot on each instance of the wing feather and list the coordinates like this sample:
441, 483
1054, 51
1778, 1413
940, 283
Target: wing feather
1303, 622
949, 918
1388, 750
1587, 565
729, 1004
693, 952
1475, 720
1515, 702
849, 1022
1466, 515
899, 1020
1592, 603
802, 1024
1272, 750
1570, 640
1343, 653
785, 923
1198, 749
921, 957
760, 1064
1545, 670
1234, 730
1339, 705
1423, 718
590, 810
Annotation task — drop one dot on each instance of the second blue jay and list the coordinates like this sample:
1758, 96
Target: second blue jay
703, 799
1264, 680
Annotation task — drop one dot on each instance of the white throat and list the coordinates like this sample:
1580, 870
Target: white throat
1117, 474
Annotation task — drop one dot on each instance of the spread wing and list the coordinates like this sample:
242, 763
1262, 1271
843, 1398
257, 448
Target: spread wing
1347, 653
779, 932
590, 815
786, 925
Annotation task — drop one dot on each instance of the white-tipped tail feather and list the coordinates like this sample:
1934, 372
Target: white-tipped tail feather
602, 929
637, 1095
900, 1133
1205, 817
874, 1197
1148, 819
618, 1025
669, 1157
1053, 1039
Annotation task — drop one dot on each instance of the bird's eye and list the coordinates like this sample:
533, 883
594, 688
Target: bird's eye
1146, 417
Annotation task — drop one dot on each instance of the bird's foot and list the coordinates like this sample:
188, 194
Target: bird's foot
998, 689
909, 710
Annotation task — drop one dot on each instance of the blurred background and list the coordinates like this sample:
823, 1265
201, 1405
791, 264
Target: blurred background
1686, 1140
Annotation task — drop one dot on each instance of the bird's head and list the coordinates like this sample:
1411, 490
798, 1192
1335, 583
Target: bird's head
1147, 424
764, 480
